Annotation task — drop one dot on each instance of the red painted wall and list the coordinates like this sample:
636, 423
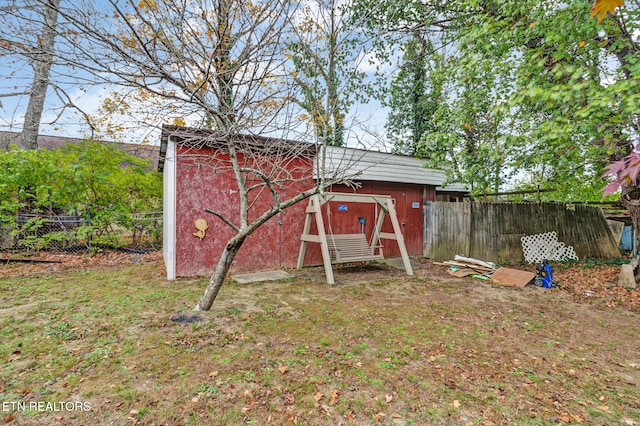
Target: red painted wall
203, 183
409, 200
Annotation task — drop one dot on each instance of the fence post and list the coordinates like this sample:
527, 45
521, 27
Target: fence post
90, 228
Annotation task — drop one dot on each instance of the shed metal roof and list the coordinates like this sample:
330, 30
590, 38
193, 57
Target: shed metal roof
363, 165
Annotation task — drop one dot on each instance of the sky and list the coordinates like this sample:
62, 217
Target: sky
371, 116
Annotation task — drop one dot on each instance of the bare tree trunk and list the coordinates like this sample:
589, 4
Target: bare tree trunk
234, 244
218, 277
43, 62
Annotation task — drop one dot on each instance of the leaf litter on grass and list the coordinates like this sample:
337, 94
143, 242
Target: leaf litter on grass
378, 347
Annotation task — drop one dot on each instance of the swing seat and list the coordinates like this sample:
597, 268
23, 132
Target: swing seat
345, 248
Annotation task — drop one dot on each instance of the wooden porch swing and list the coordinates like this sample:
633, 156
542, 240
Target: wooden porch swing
347, 248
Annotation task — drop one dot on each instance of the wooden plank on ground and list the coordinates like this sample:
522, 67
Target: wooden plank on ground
27, 260
467, 265
460, 273
473, 261
512, 277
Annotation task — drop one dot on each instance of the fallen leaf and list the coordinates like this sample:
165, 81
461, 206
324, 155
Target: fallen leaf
379, 418
8, 418
213, 374
334, 394
318, 396
283, 369
388, 398
14, 356
456, 404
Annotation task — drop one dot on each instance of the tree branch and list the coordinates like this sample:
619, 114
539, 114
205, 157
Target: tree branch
224, 219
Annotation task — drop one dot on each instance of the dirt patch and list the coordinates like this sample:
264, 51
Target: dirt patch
17, 309
589, 283
583, 283
61, 262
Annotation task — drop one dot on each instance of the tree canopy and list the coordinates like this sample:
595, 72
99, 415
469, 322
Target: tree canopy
96, 181
514, 94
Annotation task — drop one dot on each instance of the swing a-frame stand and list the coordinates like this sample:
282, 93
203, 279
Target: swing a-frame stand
346, 248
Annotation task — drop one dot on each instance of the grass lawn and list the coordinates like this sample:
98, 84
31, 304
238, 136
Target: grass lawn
100, 346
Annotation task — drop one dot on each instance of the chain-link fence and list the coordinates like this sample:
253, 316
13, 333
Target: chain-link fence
144, 230
34, 232
77, 234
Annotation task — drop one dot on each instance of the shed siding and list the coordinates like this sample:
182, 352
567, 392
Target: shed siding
200, 187
200, 183
408, 198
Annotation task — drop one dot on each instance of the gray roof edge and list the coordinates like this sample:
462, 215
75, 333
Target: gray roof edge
381, 166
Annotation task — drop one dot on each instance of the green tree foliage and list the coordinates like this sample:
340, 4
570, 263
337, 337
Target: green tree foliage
89, 179
445, 99
325, 57
535, 92
569, 93
414, 95
468, 136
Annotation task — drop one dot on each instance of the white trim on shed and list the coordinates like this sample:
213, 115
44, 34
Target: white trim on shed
169, 210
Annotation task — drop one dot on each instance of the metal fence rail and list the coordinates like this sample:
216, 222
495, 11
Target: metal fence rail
145, 230
36, 232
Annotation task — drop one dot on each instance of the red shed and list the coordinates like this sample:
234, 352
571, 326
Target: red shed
196, 179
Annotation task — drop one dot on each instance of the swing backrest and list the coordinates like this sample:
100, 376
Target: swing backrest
346, 248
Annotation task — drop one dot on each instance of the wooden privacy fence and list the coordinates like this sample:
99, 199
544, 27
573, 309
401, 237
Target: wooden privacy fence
492, 231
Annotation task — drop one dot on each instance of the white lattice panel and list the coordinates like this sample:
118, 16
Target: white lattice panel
538, 247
